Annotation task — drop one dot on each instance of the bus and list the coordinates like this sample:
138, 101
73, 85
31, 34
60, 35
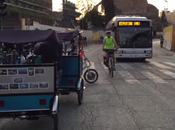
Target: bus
133, 35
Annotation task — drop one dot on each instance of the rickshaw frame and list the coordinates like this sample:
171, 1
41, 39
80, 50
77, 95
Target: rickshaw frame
78, 87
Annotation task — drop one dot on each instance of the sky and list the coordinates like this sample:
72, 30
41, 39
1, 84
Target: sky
160, 4
57, 4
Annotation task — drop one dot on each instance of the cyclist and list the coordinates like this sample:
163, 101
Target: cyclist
109, 43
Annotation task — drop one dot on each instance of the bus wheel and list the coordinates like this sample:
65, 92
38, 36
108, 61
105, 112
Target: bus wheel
143, 59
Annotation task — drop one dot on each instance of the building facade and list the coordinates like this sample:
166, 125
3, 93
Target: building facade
39, 11
69, 12
170, 17
40, 6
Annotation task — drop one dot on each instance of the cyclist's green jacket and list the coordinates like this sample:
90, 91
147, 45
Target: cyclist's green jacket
109, 43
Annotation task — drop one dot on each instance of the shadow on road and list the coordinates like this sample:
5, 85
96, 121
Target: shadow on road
132, 60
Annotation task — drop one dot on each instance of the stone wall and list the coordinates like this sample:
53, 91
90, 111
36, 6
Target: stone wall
131, 6
171, 17
142, 8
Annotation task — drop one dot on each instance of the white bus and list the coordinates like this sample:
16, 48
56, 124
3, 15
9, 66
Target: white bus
133, 35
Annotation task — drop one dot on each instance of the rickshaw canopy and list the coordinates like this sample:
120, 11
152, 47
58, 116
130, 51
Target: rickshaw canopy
67, 36
28, 36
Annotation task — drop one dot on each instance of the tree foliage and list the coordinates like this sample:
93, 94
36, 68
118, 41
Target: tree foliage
164, 19
85, 6
95, 17
109, 9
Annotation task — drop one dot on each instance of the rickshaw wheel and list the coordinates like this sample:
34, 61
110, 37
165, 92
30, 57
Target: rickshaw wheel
93, 78
55, 121
80, 94
56, 118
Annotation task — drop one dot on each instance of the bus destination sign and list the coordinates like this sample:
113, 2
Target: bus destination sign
134, 23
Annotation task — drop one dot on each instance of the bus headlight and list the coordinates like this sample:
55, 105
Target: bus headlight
118, 52
148, 52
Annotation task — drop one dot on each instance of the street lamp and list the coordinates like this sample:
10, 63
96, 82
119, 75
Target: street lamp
167, 4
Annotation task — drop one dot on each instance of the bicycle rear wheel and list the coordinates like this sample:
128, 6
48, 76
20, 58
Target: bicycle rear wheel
111, 67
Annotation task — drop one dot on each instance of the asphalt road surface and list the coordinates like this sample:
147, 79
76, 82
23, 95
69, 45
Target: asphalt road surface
141, 96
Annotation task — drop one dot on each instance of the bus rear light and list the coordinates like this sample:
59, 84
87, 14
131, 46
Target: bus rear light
70, 81
1, 103
42, 101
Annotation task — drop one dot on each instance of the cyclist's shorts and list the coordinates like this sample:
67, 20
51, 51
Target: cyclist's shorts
106, 50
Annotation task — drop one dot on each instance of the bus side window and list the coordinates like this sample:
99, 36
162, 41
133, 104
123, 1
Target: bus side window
113, 28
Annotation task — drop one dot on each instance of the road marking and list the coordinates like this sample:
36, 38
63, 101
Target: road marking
169, 73
170, 63
92, 65
143, 65
128, 77
153, 77
125, 66
161, 65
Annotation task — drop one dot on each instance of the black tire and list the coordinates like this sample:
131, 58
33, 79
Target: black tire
95, 74
112, 73
80, 94
143, 59
55, 121
112, 70
117, 59
109, 70
56, 118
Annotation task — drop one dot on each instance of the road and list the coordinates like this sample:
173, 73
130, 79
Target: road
141, 96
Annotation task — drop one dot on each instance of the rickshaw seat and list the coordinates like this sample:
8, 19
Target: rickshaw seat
71, 71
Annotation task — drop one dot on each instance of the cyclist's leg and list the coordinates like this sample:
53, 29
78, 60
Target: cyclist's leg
107, 59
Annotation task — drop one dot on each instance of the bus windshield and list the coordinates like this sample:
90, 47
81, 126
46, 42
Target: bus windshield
134, 37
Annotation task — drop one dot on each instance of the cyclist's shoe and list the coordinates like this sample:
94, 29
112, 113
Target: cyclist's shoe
106, 64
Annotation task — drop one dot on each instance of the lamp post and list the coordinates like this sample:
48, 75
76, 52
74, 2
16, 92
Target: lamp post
167, 4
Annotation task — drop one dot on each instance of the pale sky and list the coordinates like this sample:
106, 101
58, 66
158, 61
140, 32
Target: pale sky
57, 4
158, 3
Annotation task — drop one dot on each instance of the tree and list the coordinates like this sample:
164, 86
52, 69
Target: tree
83, 24
164, 19
109, 7
85, 6
95, 17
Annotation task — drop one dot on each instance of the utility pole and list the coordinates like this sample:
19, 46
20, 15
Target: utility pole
3, 11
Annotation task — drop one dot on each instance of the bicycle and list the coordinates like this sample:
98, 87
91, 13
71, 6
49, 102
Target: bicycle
90, 75
111, 62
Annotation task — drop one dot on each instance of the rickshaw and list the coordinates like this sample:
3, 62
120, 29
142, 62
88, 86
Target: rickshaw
90, 75
26, 90
72, 69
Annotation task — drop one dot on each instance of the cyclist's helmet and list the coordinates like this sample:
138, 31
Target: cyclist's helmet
108, 32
